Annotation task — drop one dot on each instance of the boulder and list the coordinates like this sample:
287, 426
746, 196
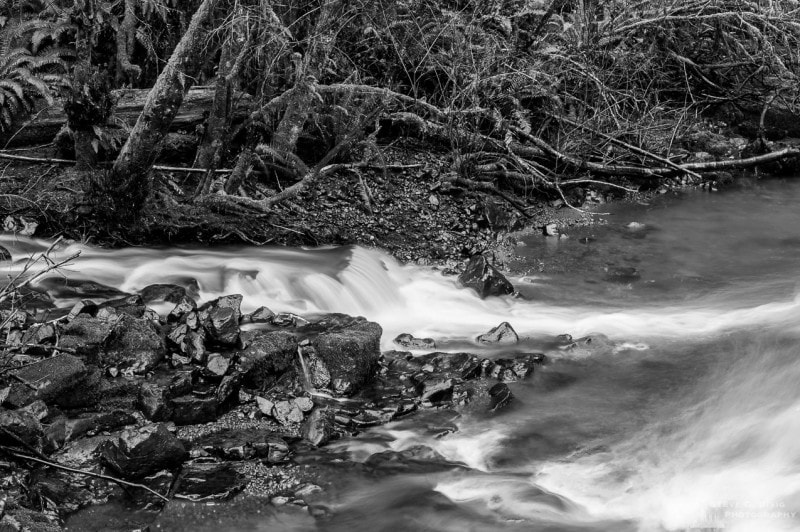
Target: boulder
260, 315
137, 453
266, 356
503, 334
287, 413
484, 278
220, 318
86, 334
62, 380
350, 348
182, 307
171, 293
408, 341
135, 345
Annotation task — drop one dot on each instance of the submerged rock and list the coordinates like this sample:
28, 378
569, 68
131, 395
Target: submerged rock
503, 334
171, 293
484, 278
140, 452
408, 341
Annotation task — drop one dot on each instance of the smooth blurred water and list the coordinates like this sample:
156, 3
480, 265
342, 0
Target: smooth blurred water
686, 418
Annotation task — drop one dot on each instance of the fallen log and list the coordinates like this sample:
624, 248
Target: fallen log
46, 123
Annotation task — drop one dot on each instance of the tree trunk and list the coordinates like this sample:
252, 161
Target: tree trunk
130, 176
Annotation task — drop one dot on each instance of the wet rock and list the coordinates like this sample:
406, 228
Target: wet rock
350, 348
192, 410
228, 390
64, 288
244, 444
267, 356
4, 254
551, 230
484, 278
85, 334
503, 334
135, 345
62, 380
19, 427
260, 315
499, 396
104, 421
130, 305
220, 318
54, 490
200, 481
140, 452
152, 402
25, 520
317, 371
408, 341
171, 293
182, 307
319, 427
436, 390
287, 319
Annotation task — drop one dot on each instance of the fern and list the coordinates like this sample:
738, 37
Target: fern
25, 78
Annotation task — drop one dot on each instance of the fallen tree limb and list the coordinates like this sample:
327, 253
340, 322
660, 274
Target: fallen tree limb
49, 160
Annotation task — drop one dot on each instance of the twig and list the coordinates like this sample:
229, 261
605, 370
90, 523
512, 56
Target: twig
62, 467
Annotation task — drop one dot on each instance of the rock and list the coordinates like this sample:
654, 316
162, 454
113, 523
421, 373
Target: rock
316, 371
104, 421
287, 319
85, 334
350, 348
63, 288
4, 254
152, 402
63, 380
208, 481
287, 413
267, 356
137, 453
499, 396
217, 365
228, 389
171, 293
220, 318
192, 410
244, 444
436, 390
551, 230
305, 404
135, 345
20, 426
265, 405
260, 315
130, 305
40, 333
407, 341
484, 278
319, 427
183, 306
503, 334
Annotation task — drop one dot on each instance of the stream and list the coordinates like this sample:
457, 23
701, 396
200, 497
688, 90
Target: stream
682, 414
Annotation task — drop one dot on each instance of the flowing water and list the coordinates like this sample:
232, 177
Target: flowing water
684, 414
